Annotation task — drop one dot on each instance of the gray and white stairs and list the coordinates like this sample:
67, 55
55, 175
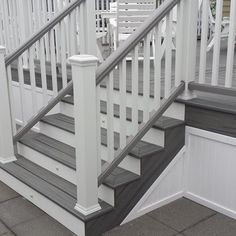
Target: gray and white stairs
45, 169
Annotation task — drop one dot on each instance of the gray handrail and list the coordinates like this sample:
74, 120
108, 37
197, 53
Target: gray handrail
134, 140
38, 35
122, 51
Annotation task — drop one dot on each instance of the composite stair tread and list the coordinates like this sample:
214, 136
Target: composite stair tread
50, 186
163, 123
65, 154
213, 102
141, 150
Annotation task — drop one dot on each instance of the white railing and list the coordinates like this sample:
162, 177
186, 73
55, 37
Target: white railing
42, 68
217, 65
135, 80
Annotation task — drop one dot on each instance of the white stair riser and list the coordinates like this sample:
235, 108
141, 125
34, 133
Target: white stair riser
176, 110
130, 163
47, 163
105, 193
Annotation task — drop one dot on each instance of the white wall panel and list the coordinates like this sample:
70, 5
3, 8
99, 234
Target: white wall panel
211, 175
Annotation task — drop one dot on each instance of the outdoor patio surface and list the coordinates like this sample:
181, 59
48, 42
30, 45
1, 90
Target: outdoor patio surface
18, 217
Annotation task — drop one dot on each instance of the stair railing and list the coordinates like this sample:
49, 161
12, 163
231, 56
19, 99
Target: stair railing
217, 76
48, 78
132, 79
134, 87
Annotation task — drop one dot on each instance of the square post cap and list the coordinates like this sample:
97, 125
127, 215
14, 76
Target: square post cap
83, 60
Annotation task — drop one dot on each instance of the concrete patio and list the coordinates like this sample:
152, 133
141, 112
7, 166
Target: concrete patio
183, 217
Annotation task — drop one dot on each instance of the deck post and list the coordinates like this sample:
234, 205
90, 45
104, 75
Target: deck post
189, 48
6, 141
88, 39
85, 110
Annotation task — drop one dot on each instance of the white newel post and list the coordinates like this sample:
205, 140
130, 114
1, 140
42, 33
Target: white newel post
6, 139
87, 35
190, 20
85, 110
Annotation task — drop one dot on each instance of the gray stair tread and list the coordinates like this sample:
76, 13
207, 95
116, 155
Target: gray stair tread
163, 123
49, 185
65, 154
66, 123
213, 102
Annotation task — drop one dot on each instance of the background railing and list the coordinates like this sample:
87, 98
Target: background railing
39, 66
216, 62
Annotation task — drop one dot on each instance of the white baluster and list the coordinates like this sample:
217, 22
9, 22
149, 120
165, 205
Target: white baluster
231, 46
190, 47
216, 54
85, 110
6, 141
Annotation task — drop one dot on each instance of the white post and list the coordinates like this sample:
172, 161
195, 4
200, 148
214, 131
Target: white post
190, 20
6, 140
88, 33
85, 110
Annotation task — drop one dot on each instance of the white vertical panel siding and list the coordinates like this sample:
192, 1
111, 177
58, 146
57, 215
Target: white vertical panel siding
211, 170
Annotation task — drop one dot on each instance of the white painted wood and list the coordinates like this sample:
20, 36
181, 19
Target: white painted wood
167, 188
85, 107
110, 117
176, 110
179, 44
106, 194
27, 101
52, 209
168, 55
6, 142
210, 170
204, 38
135, 89
190, 31
146, 78
231, 46
122, 98
216, 53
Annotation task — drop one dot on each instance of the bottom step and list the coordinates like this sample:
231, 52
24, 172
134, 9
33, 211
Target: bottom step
49, 192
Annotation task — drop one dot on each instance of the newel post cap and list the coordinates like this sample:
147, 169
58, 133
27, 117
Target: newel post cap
83, 60
2, 50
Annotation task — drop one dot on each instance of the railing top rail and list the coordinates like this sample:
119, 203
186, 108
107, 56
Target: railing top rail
41, 32
106, 67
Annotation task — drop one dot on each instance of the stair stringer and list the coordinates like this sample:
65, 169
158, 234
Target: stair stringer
126, 198
167, 188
